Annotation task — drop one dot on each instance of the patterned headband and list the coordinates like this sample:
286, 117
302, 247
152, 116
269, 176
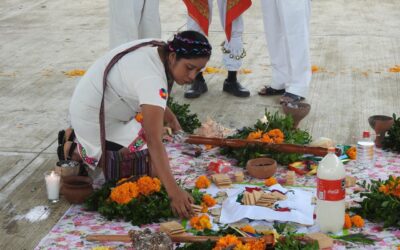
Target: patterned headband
193, 51
190, 41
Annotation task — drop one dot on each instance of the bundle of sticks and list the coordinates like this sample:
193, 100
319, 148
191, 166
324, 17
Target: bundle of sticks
180, 238
240, 143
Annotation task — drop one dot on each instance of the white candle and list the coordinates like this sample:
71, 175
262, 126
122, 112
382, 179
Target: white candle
52, 185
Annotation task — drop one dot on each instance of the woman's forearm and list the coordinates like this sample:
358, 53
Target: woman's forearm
160, 163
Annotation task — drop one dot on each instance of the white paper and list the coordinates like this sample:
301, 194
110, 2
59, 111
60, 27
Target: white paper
299, 201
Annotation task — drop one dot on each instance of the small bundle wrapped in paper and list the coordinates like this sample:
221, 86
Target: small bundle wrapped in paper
262, 199
221, 180
172, 228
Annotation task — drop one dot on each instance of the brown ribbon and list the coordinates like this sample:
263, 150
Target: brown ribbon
113, 61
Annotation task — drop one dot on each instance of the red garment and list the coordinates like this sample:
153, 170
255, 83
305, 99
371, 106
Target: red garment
199, 11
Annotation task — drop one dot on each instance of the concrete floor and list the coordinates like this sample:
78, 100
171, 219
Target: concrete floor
353, 42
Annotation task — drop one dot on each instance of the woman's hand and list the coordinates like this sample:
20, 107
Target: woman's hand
181, 203
171, 120
175, 125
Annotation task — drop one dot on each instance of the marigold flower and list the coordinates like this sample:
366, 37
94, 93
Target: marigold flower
248, 229
255, 245
270, 181
347, 221
209, 200
227, 241
352, 153
276, 135
384, 189
200, 223
139, 117
148, 185
255, 135
124, 193
314, 68
357, 221
267, 139
202, 182
204, 208
242, 247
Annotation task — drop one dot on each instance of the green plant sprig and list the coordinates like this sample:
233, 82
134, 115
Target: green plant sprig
392, 140
357, 238
141, 210
189, 122
377, 206
275, 121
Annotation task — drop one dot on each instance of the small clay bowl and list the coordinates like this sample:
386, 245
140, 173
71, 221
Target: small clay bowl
261, 168
76, 189
67, 168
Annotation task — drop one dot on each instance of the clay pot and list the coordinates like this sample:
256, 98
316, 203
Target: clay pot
381, 124
76, 189
261, 168
298, 111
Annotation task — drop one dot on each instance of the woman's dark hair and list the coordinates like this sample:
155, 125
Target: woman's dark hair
189, 45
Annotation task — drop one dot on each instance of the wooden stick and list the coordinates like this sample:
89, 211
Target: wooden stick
175, 238
240, 143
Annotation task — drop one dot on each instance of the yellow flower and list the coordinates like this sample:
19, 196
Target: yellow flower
270, 181
255, 135
204, 208
202, 182
248, 229
200, 223
357, 221
209, 200
75, 72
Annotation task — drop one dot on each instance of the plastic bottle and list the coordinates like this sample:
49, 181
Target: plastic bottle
330, 193
365, 151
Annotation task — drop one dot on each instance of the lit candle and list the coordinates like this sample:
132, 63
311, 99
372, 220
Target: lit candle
52, 186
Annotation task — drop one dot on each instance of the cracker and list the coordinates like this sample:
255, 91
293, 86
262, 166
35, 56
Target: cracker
279, 196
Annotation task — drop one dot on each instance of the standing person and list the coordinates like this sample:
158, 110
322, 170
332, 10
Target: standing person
133, 19
286, 25
199, 19
138, 77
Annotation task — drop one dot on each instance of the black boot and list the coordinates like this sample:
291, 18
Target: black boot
197, 88
232, 86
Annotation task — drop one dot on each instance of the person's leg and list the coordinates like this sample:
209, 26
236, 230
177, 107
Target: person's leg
295, 20
124, 20
150, 25
199, 86
233, 53
275, 37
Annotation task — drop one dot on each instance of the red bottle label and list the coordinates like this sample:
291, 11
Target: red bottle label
331, 190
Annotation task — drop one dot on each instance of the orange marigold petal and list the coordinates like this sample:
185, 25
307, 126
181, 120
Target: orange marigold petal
347, 221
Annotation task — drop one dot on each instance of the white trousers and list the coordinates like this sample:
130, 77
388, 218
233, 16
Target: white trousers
232, 61
133, 19
286, 26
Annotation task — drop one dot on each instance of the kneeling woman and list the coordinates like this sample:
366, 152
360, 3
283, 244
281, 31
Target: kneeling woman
137, 78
